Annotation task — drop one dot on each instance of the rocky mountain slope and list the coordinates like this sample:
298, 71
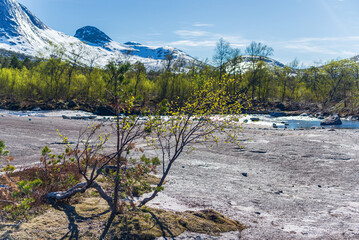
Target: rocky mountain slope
22, 32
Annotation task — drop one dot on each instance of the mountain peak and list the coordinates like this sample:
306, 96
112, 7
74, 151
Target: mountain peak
132, 43
92, 35
13, 18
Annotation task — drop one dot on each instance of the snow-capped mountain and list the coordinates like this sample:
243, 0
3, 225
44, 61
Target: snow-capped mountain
93, 36
245, 62
22, 32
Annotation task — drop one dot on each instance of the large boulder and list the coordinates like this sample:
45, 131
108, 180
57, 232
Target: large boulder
278, 114
332, 120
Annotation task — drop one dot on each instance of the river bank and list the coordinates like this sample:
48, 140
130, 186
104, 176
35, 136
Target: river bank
283, 184
103, 109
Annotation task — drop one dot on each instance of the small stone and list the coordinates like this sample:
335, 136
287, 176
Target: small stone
244, 174
258, 213
182, 166
36, 109
319, 186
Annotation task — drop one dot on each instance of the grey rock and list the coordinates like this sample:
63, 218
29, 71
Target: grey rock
332, 120
278, 114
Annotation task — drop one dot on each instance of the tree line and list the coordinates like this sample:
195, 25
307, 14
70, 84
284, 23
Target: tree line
55, 79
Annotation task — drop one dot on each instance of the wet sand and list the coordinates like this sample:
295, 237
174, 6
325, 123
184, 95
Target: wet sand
283, 184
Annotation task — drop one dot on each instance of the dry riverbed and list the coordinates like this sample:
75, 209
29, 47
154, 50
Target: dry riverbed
283, 184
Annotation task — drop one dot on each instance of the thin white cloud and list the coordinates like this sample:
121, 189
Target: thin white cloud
312, 49
191, 38
191, 43
327, 39
189, 33
348, 53
330, 46
203, 25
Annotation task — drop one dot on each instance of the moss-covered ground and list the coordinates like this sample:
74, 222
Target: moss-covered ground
86, 217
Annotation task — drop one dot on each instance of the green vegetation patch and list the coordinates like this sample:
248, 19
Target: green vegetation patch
87, 218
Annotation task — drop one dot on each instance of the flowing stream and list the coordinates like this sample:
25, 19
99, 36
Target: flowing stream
297, 122
265, 120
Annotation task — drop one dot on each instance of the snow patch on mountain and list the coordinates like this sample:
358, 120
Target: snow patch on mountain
22, 32
245, 62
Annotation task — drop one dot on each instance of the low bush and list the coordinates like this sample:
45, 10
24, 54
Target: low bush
24, 192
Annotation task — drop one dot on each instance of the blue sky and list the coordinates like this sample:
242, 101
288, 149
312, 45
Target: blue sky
312, 31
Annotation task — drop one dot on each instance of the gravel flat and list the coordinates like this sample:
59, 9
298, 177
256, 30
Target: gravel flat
283, 184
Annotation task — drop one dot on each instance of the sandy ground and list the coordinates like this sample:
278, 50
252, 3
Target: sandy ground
298, 184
